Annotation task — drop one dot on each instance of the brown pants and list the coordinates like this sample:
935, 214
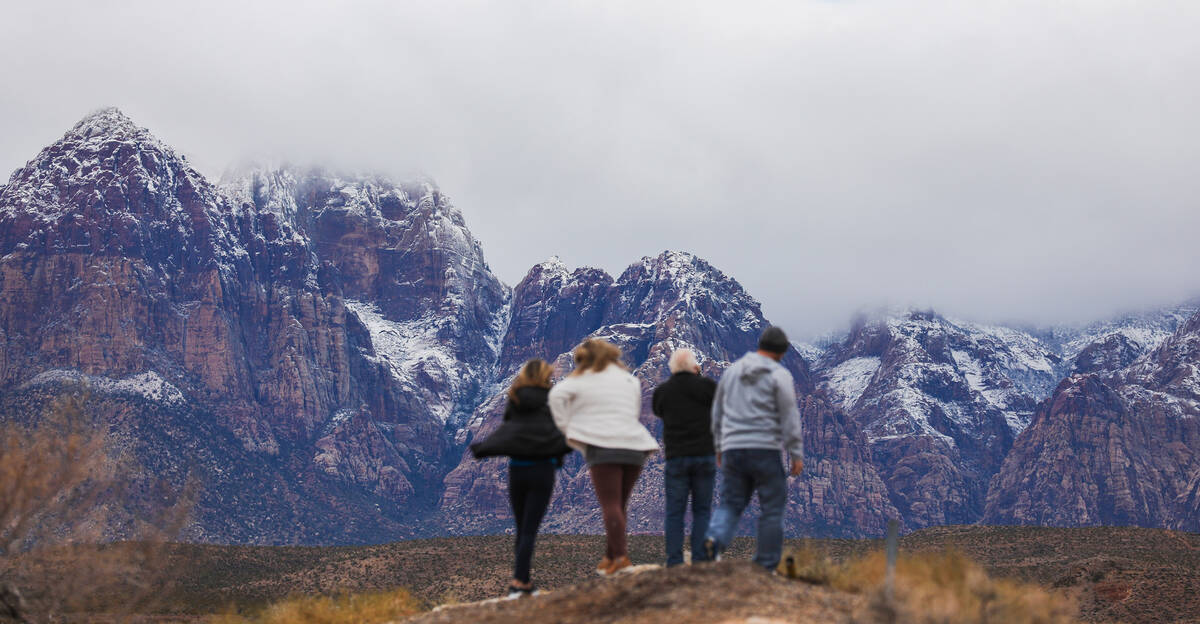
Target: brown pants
613, 484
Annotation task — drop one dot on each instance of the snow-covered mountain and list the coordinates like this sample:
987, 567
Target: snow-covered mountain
318, 347
408, 270
1112, 447
939, 401
1111, 344
272, 306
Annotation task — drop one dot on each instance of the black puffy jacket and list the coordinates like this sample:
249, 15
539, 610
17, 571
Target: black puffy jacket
528, 430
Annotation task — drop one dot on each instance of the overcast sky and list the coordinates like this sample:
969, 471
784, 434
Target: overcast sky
1033, 161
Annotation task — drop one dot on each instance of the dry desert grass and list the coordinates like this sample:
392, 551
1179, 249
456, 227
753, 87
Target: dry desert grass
1115, 574
366, 607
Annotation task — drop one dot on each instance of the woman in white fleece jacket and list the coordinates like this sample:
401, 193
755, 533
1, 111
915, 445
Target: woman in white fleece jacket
597, 407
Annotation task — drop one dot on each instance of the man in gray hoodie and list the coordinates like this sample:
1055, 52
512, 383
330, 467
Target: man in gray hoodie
754, 414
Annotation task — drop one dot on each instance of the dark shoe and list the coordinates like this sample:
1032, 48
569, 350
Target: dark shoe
710, 549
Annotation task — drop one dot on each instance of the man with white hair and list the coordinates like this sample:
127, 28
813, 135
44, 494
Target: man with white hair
684, 403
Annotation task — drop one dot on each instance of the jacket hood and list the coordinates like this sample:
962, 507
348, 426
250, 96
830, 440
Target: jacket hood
531, 398
757, 367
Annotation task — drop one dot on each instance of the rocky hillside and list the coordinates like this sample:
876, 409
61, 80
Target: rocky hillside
265, 339
1112, 447
939, 402
316, 348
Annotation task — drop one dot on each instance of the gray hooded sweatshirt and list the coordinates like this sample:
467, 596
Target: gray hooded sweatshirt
755, 408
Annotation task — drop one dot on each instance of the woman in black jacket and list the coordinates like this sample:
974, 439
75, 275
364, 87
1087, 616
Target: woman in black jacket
536, 447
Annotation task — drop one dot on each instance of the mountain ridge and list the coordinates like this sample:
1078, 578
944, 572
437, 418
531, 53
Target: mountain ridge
342, 337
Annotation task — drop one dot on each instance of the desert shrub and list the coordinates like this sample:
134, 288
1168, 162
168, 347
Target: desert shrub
364, 608
58, 479
48, 474
809, 565
931, 588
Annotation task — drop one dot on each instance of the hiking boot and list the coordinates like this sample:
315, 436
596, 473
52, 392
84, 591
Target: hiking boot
710, 549
603, 566
617, 565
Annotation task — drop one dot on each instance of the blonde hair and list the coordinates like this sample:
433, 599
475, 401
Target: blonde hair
535, 373
683, 360
594, 354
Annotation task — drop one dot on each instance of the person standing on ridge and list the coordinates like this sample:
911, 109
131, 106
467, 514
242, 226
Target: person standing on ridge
597, 406
684, 403
529, 436
755, 413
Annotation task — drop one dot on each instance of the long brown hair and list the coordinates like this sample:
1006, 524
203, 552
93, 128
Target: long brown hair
595, 355
535, 373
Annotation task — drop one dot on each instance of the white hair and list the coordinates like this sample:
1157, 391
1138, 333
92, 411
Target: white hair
683, 360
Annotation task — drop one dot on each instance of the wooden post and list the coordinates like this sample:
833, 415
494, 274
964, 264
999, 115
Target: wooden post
893, 547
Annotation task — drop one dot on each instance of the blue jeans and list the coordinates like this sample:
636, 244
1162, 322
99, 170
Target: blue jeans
744, 472
683, 476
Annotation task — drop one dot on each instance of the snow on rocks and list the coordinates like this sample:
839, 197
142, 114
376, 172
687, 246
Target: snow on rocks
849, 379
414, 355
962, 369
110, 186
1143, 331
148, 385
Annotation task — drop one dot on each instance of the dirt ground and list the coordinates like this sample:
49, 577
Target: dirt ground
1117, 574
729, 591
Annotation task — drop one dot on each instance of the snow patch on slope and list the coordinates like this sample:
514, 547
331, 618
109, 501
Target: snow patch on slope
149, 385
412, 352
849, 379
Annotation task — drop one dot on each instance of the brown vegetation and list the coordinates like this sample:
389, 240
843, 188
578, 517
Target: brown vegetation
949, 587
1114, 574
58, 479
340, 609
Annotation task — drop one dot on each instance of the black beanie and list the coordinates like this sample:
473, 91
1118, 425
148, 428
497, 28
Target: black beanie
774, 340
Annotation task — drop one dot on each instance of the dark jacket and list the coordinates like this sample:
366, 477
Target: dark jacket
684, 403
528, 430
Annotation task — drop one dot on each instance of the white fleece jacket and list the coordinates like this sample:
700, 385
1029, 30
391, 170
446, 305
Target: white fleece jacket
601, 409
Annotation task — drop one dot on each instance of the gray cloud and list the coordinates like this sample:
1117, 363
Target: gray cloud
1021, 160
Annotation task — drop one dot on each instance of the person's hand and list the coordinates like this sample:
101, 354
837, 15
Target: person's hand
797, 466
718, 460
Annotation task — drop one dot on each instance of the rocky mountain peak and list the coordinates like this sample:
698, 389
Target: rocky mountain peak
109, 187
550, 267
107, 122
102, 149
684, 298
674, 297
553, 308
683, 273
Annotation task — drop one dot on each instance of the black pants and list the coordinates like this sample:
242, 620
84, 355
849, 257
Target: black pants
529, 490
